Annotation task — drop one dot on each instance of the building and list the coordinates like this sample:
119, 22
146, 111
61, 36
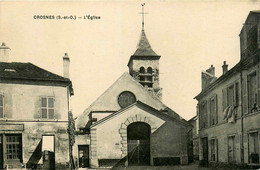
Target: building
34, 106
193, 140
228, 106
129, 124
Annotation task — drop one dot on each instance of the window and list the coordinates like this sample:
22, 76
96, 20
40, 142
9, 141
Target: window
47, 107
253, 147
13, 147
230, 95
142, 70
83, 151
213, 111
149, 70
126, 98
203, 115
1, 106
252, 92
142, 78
213, 149
231, 149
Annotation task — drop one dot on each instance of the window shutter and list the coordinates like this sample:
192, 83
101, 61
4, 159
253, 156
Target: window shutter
224, 99
206, 114
216, 149
258, 88
244, 95
200, 116
216, 109
210, 148
37, 113
226, 148
235, 95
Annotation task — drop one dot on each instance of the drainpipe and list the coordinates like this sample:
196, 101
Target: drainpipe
242, 121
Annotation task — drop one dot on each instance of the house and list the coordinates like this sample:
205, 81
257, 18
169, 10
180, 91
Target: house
193, 139
229, 106
129, 124
34, 106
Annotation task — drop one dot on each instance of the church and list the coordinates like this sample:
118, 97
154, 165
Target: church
129, 124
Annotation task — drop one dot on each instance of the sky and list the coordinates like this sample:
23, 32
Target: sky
189, 35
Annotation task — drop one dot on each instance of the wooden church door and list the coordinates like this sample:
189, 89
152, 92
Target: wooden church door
138, 143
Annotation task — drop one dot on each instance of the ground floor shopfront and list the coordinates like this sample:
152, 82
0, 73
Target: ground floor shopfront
230, 144
34, 145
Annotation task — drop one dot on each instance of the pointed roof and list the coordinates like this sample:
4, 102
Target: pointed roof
144, 48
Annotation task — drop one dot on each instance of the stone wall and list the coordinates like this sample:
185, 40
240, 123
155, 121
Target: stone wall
22, 110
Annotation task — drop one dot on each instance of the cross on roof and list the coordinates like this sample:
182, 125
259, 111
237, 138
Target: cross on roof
143, 15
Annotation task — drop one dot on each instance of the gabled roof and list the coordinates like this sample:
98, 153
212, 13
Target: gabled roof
139, 103
28, 71
144, 48
108, 100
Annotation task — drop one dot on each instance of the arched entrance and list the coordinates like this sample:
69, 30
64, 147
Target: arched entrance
138, 143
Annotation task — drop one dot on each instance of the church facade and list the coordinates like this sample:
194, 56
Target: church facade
129, 124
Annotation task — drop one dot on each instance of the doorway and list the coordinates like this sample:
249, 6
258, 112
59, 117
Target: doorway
138, 143
83, 156
205, 152
1, 153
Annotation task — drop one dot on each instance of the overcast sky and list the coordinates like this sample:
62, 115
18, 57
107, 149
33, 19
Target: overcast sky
189, 35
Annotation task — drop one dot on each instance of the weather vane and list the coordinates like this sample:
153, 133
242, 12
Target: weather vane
143, 15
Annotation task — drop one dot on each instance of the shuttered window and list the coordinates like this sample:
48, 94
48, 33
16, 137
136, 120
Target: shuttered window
253, 142
213, 110
203, 115
47, 107
231, 149
230, 96
252, 92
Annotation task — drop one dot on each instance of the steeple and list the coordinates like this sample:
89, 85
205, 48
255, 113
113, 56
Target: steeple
144, 65
144, 48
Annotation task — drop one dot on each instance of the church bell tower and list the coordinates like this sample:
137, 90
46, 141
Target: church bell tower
144, 65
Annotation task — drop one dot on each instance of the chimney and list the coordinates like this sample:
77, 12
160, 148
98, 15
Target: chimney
225, 67
207, 76
4, 53
66, 66
211, 70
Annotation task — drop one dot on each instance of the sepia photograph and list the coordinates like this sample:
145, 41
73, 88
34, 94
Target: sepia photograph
137, 85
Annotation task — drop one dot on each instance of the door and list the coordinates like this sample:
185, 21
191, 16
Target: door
1, 152
138, 143
205, 151
83, 156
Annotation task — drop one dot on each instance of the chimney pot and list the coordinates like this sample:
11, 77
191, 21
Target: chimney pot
4, 53
224, 67
211, 70
66, 66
